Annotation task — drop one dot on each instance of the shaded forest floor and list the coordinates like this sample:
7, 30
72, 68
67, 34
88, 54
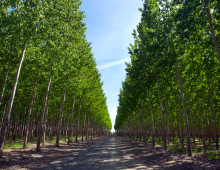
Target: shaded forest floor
158, 158
114, 148
19, 158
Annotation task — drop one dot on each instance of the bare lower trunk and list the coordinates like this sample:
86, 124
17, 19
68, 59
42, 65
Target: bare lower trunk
191, 115
87, 129
162, 114
184, 109
181, 121
67, 124
212, 108
61, 116
44, 111
200, 113
152, 119
45, 121
78, 120
29, 114
143, 123
168, 124
71, 123
8, 113
84, 123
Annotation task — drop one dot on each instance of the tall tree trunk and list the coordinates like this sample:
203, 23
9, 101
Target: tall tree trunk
84, 123
8, 113
40, 129
30, 138
162, 114
78, 120
213, 32
4, 83
45, 121
184, 109
212, 108
87, 129
200, 114
29, 114
52, 119
181, 121
71, 123
152, 119
143, 123
67, 124
168, 124
16, 123
192, 122
137, 125
61, 116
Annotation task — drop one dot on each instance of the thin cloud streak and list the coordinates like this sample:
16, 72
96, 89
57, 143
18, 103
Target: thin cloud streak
114, 63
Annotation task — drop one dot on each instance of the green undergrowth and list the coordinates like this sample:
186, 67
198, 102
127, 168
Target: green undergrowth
10, 144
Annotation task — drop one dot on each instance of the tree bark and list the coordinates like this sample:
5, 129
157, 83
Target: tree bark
200, 114
44, 111
212, 108
181, 121
191, 115
167, 117
143, 123
152, 119
29, 114
8, 113
61, 116
45, 121
84, 124
78, 120
162, 114
184, 109
71, 123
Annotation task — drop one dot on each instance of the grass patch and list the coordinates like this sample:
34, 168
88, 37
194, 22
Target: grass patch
197, 150
213, 154
12, 145
176, 148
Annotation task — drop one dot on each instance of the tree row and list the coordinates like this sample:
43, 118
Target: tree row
171, 91
49, 78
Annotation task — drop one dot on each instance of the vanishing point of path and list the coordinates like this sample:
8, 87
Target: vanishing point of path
106, 154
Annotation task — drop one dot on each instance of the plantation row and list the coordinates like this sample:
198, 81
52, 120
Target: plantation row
50, 83
172, 89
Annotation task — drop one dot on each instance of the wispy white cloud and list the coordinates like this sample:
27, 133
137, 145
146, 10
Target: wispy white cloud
110, 24
114, 63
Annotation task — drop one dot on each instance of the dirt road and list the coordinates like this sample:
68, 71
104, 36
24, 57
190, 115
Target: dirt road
108, 153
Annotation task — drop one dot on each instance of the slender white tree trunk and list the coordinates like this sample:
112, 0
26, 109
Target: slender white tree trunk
162, 114
44, 111
152, 119
29, 113
8, 113
184, 109
213, 32
61, 116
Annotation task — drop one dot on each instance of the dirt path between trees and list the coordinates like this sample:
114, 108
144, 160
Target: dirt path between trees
106, 154
111, 153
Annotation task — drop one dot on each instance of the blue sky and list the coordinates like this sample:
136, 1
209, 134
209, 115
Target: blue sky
110, 24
